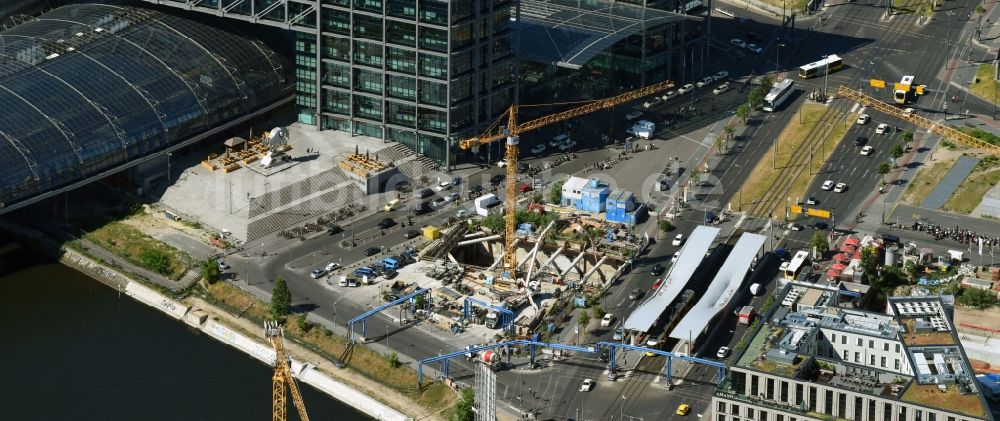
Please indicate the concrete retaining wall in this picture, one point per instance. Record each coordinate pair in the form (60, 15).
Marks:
(156, 300)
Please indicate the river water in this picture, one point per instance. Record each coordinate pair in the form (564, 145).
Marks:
(76, 350)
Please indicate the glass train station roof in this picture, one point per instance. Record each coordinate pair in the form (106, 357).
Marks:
(569, 33)
(86, 88)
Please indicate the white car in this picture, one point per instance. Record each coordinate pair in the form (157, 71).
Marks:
(586, 385)
(444, 185)
(827, 185)
(882, 129)
(705, 82)
(841, 187)
(332, 267)
(633, 115)
(738, 42)
(863, 119)
(721, 88)
(755, 48)
(678, 240)
(685, 89)
(652, 103)
(539, 148)
(668, 95)
(867, 150)
(723, 352)
(721, 75)
(607, 320)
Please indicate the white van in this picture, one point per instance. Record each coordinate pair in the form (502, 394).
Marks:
(559, 140)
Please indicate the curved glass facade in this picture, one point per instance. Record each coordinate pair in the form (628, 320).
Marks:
(84, 88)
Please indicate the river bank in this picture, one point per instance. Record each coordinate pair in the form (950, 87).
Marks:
(310, 368)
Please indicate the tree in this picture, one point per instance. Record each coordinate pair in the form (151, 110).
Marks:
(883, 169)
(896, 151)
(281, 299)
(156, 260)
(555, 194)
(820, 243)
(209, 270)
(978, 298)
(583, 319)
(743, 112)
(463, 410)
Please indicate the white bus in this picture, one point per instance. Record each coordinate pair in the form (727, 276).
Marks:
(779, 93)
(902, 90)
(829, 64)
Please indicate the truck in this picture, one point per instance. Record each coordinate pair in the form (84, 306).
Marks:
(486, 202)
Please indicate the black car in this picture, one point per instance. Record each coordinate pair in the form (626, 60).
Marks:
(422, 208)
(386, 223)
(371, 251)
(497, 179)
(425, 193)
(860, 141)
(657, 270)
(411, 233)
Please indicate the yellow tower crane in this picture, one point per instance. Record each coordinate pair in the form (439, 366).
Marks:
(282, 375)
(512, 133)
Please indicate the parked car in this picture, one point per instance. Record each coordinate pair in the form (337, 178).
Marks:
(705, 82)
(882, 129)
(652, 103)
(317, 273)
(385, 223)
(539, 148)
(678, 240)
(863, 119)
(738, 42)
(721, 89)
(657, 270)
(685, 89)
(840, 188)
(867, 150)
(633, 115)
(371, 251)
(827, 185)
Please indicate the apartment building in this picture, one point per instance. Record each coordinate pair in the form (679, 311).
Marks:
(811, 360)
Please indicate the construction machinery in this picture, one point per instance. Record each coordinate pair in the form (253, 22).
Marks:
(940, 129)
(282, 375)
(512, 132)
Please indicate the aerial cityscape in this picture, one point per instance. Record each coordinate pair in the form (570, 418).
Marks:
(501, 210)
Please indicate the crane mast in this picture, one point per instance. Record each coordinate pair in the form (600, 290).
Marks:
(282, 376)
(512, 134)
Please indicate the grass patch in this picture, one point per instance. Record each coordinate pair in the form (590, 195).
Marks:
(433, 395)
(926, 179)
(140, 249)
(950, 400)
(790, 140)
(968, 194)
(984, 86)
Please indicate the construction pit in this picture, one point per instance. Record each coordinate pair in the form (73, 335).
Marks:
(562, 271)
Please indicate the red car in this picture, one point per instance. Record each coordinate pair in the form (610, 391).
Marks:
(656, 285)
(524, 188)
